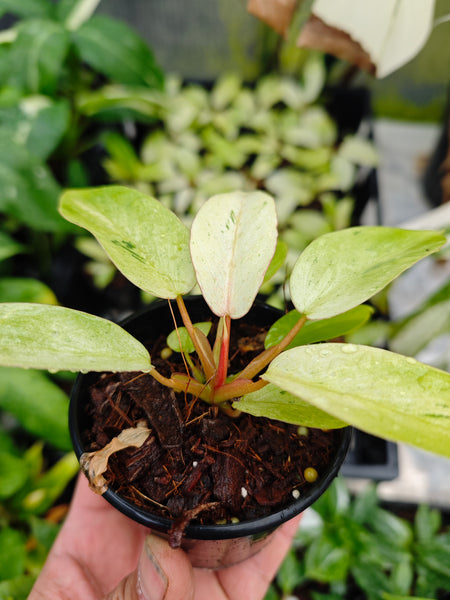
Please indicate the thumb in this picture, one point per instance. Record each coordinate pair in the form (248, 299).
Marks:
(162, 574)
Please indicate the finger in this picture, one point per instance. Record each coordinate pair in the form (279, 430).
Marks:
(162, 574)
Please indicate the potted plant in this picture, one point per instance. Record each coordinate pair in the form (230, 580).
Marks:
(296, 378)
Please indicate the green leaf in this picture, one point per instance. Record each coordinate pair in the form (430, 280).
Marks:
(28, 190)
(386, 394)
(37, 123)
(317, 331)
(434, 554)
(117, 51)
(145, 240)
(12, 553)
(181, 335)
(13, 475)
(398, 532)
(26, 8)
(427, 523)
(344, 268)
(334, 503)
(113, 99)
(37, 56)
(37, 403)
(275, 403)
(277, 261)
(272, 594)
(8, 246)
(44, 531)
(17, 588)
(46, 124)
(233, 240)
(56, 338)
(371, 579)
(22, 289)
(325, 562)
(291, 573)
(50, 486)
(402, 575)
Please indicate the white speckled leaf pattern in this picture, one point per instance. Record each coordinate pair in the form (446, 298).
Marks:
(145, 240)
(342, 269)
(383, 393)
(55, 338)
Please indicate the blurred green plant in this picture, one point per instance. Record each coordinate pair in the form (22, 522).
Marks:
(275, 136)
(353, 548)
(52, 53)
(36, 464)
(33, 476)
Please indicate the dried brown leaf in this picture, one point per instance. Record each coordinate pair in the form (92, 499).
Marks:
(316, 34)
(276, 13)
(94, 464)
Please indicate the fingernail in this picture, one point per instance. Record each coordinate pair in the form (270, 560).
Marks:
(152, 581)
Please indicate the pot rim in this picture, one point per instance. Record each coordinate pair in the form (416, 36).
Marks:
(209, 531)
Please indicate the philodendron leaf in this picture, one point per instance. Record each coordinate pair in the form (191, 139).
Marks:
(274, 403)
(317, 331)
(383, 393)
(342, 269)
(181, 336)
(233, 240)
(38, 336)
(145, 240)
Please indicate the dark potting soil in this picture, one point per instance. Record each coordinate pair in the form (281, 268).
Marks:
(199, 463)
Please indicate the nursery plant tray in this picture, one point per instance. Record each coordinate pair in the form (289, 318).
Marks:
(370, 457)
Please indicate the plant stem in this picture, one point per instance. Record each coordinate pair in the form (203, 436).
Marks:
(202, 347)
(183, 383)
(236, 389)
(263, 359)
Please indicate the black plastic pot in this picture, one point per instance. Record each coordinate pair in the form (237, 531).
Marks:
(214, 545)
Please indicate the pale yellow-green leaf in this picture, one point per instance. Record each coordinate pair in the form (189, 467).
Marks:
(342, 269)
(233, 240)
(274, 403)
(145, 240)
(55, 338)
(383, 393)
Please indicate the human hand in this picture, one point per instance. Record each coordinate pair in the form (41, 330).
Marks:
(99, 550)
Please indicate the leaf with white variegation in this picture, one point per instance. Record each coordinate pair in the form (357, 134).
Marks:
(342, 269)
(145, 240)
(233, 240)
(380, 392)
(55, 338)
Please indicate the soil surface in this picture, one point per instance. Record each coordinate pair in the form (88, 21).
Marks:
(198, 464)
